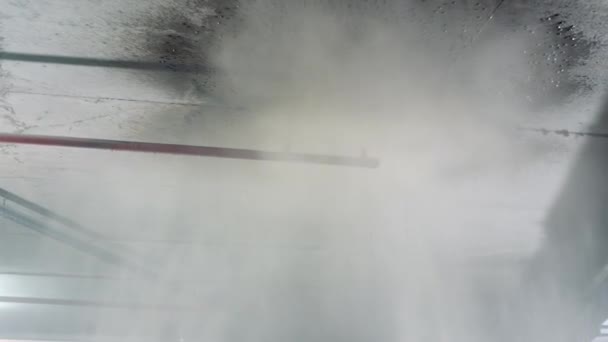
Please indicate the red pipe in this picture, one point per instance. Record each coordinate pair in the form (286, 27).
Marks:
(191, 150)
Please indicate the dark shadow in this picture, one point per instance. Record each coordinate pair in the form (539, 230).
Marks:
(564, 273)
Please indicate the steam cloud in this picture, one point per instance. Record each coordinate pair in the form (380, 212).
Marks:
(281, 252)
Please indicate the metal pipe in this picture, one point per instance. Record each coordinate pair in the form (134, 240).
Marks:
(99, 62)
(191, 150)
(49, 214)
(74, 242)
(95, 304)
(57, 275)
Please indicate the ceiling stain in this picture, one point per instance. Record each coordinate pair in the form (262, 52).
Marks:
(182, 34)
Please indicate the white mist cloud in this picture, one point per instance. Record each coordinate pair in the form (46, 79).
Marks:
(287, 252)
